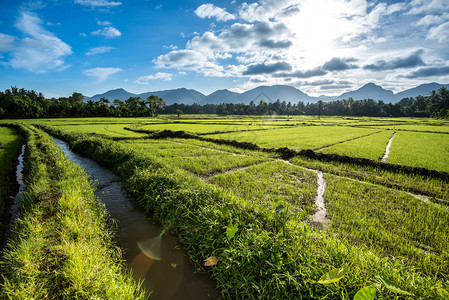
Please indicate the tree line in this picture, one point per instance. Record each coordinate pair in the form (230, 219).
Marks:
(20, 103)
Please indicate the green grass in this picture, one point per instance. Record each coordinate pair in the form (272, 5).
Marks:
(426, 150)
(371, 147)
(202, 159)
(390, 222)
(269, 255)
(414, 183)
(113, 130)
(10, 142)
(203, 128)
(297, 138)
(61, 247)
(272, 184)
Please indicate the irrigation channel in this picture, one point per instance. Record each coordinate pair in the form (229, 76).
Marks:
(14, 210)
(387, 149)
(150, 254)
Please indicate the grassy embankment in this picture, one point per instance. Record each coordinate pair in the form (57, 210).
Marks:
(10, 142)
(260, 251)
(62, 246)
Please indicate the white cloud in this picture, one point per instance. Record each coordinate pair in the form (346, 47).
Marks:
(99, 50)
(101, 74)
(104, 23)
(160, 75)
(211, 11)
(41, 50)
(6, 42)
(439, 32)
(426, 6)
(305, 35)
(108, 32)
(98, 3)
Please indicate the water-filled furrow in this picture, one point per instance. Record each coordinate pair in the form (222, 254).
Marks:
(319, 219)
(387, 149)
(14, 210)
(150, 254)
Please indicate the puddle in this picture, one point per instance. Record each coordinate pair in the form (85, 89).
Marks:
(14, 210)
(319, 219)
(150, 254)
(387, 150)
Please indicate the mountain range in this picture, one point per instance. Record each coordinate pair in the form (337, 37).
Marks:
(269, 94)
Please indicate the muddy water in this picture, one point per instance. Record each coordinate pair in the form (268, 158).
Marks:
(151, 255)
(14, 210)
(387, 149)
(319, 219)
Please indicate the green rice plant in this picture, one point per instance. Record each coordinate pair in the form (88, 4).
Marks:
(390, 222)
(112, 130)
(62, 247)
(204, 128)
(297, 138)
(427, 150)
(273, 184)
(414, 183)
(260, 261)
(371, 147)
(201, 159)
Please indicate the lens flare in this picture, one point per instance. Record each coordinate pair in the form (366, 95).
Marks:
(152, 247)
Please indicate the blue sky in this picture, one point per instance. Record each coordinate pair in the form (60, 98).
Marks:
(322, 47)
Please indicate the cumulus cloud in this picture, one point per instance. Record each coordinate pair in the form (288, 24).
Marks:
(101, 74)
(284, 40)
(338, 64)
(414, 60)
(303, 74)
(439, 32)
(257, 69)
(429, 20)
(98, 3)
(99, 50)
(189, 60)
(211, 11)
(40, 50)
(429, 72)
(275, 44)
(160, 75)
(108, 32)
(426, 6)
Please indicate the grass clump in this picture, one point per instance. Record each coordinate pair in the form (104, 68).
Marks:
(62, 247)
(10, 142)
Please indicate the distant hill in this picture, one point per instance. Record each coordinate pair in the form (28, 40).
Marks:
(120, 94)
(220, 96)
(181, 95)
(423, 90)
(369, 91)
(270, 94)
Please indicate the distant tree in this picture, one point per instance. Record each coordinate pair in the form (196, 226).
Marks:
(178, 112)
(155, 104)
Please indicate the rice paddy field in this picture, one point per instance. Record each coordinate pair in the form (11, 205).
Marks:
(359, 209)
